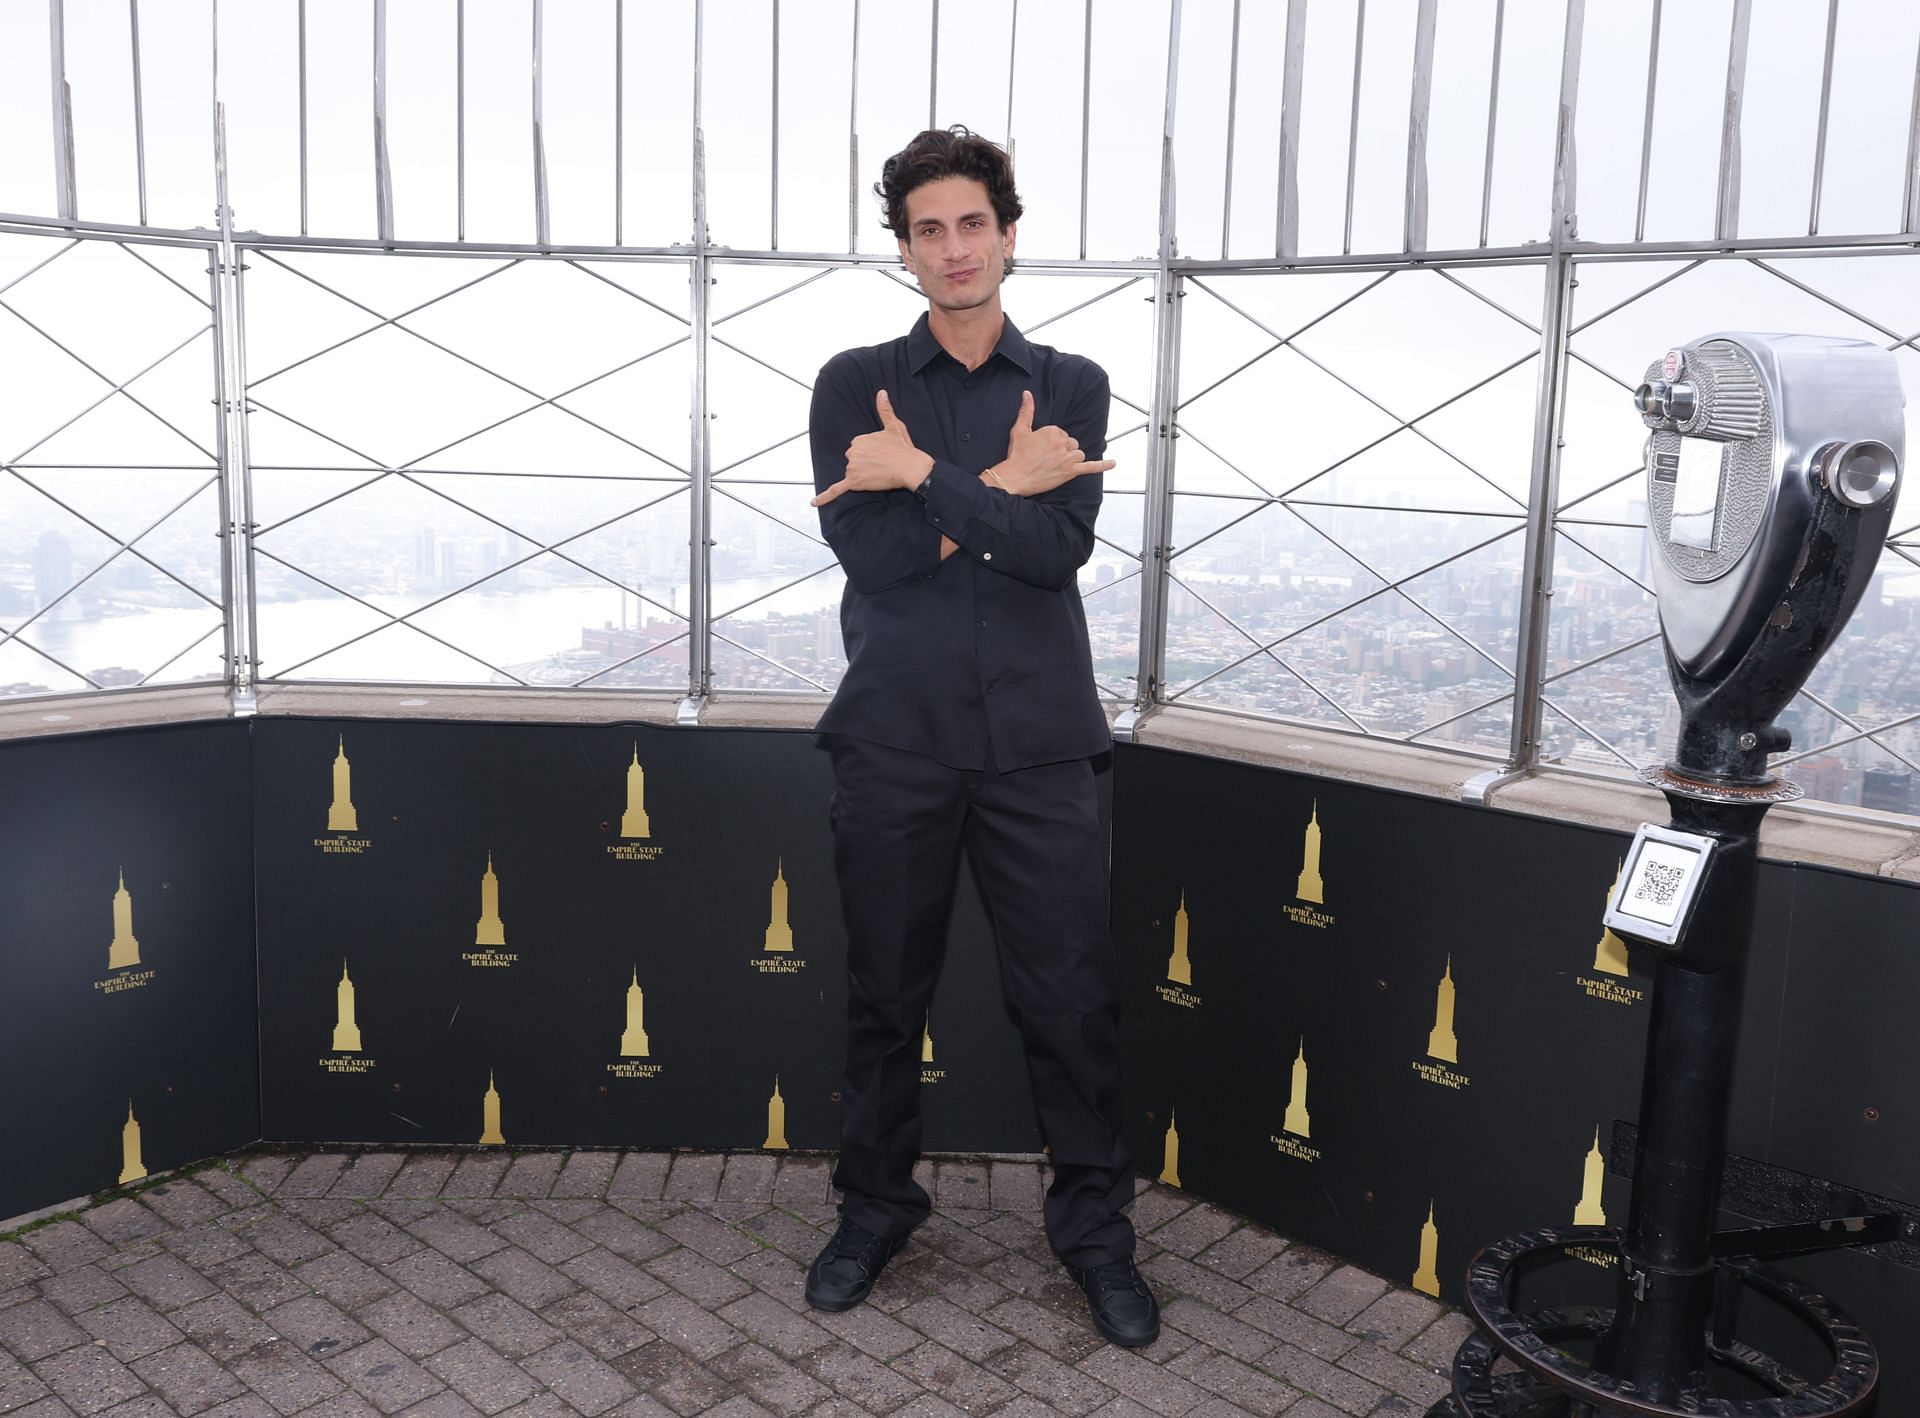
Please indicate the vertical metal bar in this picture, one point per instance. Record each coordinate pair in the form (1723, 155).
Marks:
(1910, 198)
(1086, 112)
(241, 646)
(1820, 139)
(1646, 125)
(773, 195)
(459, 117)
(1353, 122)
(1417, 111)
(63, 183)
(1726, 223)
(1013, 49)
(1286, 221)
(139, 110)
(1233, 103)
(620, 119)
(1543, 487)
(1155, 534)
(933, 69)
(249, 584)
(542, 234)
(853, 138)
(700, 534)
(382, 171)
(1493, 116)
(303, 117)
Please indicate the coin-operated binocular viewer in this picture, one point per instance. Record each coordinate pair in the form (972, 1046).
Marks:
(1772, 470)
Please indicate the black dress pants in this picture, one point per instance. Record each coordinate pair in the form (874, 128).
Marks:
(1033, 836)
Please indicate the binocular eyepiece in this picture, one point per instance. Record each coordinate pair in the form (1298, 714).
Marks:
(1667, 400)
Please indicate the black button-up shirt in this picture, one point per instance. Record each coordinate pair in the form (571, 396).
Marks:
(985, 652)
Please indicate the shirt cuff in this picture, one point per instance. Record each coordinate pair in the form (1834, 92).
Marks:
(950, 497)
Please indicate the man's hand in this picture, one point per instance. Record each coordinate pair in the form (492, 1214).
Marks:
(879, 461)
(1040, 459)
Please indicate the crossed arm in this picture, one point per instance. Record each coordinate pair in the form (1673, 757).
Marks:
(884, 535)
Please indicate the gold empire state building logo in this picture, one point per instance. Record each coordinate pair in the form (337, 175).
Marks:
(776, 1120)
(1441, 1043)
(1590, 1212)
(125, 949)
(633, 1039)
(490, 1133)
(346, 1029)
(1170, 1167)
(490, 930)
(341, 816)
(1426, 1276)
(1298, 1122)
(779, 932)
(1610, 954)
(132, 1169)
(1310, 888)
(1179, 967)
(634, 822)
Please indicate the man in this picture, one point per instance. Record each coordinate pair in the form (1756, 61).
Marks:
(958, 476)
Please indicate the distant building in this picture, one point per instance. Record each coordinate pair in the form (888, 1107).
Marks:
(1887, 789)
(52, 569)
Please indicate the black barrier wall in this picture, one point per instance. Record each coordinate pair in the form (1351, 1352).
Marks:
(1393, 1027)
(126, 956)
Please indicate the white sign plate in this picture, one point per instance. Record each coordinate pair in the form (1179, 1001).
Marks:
(1657, 888)
(1696, 494)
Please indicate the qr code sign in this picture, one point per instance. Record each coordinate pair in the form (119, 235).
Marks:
(1658, 883)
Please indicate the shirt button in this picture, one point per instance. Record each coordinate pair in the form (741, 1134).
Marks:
(986, 556)
(966, 438)
(983, 625)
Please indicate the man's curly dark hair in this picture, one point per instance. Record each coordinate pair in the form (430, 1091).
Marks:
(947, 152)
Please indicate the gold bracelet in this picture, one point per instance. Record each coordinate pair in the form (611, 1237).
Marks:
(994, 478)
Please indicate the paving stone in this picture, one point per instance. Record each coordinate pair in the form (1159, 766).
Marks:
(48, 1407)
(859, 1377)
(687, 1326)
(802, 1181)
(374, 1239)
(779, 1328)
(188, 1378)
(715, 1240)
(773, 1274)
(225, 1186)
(315, 1325)
(247, 1405)
(771, 1381)
(348, 1282)
(958, 1185)
(1395, 1318)
(1156, 1206)
(265, 1171)
(1169, 1272)
(1143, 1381)
(1017, 1231)
(223, 1327)
(385, 1377)
(958, 1242)
(313, 1175)
(181, 1203)
(1240, 1384)
(532, 1174)
(544, 1405)
(1195, 1229)
(122, 1222)
(929, 1406)
(1122, 1407)
(483, 1377)
(82, 1289)
(444, 1404)
(542, 1237)
(89, 1379)
(1423, 1384)
(1342, 1294)
(672, 1376)
(624, 1236)
(787, 1234)
(146, 1406)
(344, 1404)
(455, 1237)
(1060, 1386)
(318, 1211)
(1015, 1186)
(422, 1175)
(405, 1210)
(934, 1274)
(435, 1279)
(958, 1380)
(533, 1283)
(410, 1325)
(1303, 1331)
(618, 1281)
(255, 1281)
(1021, 1275)
(695, 1177)
(369, 1174)
(165, 1281)
(65, 1245)
(871, 1331)
(591, 1385)
(507, 1325)
(640, 1174)
(36, 1329)
(286, 1378)
(1217, 1331)
(698, 1278)
(586, 1174)
(1347, 1391)
(1436, 1345)
(591, 1321)
(205, 1246)
(1220, 1408)
(129, 1329)
(1293, 1272)
(1240, 1253)
(478, 1175)
(19, 1385)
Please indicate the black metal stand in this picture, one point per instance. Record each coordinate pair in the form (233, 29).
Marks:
(1671, 1326)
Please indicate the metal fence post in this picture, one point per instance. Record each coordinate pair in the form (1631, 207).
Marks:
(236, 489)
(700, 514)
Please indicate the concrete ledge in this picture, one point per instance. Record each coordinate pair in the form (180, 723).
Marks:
(1881, 844)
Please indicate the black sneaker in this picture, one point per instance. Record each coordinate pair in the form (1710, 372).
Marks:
(843, 1273)
(1123, 1308)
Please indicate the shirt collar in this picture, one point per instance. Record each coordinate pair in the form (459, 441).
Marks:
(922, 347)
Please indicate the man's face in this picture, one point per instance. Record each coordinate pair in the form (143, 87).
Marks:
(954, 243)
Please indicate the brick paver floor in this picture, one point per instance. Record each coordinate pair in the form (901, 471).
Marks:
(345, 1284)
